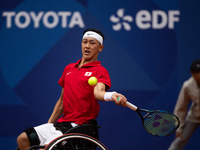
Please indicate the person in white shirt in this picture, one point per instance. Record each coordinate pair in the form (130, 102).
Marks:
(189, 119)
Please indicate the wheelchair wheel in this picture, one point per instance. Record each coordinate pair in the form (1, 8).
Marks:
(75, 141)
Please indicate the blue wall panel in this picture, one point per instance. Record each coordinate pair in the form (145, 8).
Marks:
(149, 45)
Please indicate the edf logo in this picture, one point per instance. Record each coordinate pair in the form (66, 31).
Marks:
(157, 19)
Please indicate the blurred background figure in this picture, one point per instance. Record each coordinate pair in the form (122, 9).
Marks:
(189, 119)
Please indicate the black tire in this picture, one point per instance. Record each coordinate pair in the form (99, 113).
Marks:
(75, 141)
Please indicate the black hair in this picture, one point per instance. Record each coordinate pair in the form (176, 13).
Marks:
(95, 30)
(195, 66)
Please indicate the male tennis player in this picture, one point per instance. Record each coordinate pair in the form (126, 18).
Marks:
(78, 101)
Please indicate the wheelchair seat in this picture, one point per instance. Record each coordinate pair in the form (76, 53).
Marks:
(88, 129)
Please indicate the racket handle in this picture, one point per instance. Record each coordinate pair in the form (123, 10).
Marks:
(131, 106)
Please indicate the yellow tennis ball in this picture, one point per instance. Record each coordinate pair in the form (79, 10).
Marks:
(92, 81)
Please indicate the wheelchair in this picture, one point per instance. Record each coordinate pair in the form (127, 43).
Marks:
(81, 137)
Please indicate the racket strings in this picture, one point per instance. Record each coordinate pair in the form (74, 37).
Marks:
(160, 123)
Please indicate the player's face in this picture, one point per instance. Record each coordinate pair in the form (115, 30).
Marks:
(90, 49)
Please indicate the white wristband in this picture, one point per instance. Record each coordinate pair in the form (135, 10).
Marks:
(108, 96)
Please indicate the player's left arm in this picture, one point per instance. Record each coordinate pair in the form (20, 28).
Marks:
(100, 91)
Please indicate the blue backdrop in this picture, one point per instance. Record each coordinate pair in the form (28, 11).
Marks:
(149, 45)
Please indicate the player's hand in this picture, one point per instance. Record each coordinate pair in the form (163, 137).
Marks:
(119, 99)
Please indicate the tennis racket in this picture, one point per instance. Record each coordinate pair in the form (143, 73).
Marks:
(157, 122)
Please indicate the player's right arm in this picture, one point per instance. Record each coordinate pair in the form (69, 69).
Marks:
(58, 109)
(99, 93)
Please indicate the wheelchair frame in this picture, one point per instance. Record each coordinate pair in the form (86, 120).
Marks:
(74, 140)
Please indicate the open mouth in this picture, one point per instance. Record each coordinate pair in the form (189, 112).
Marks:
(87, 52)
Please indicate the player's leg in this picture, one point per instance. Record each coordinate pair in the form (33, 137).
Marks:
(39, 135)
(23, 141)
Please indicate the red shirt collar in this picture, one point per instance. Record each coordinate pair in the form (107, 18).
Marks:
(94, 63)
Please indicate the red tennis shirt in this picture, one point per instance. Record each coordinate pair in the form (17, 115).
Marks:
(79, 102)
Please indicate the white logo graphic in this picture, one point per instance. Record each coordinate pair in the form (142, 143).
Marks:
(68, 73)
(121, 20)
(88, 73)
(144, 19)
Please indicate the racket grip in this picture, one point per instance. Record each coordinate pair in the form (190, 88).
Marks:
(131, 106)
